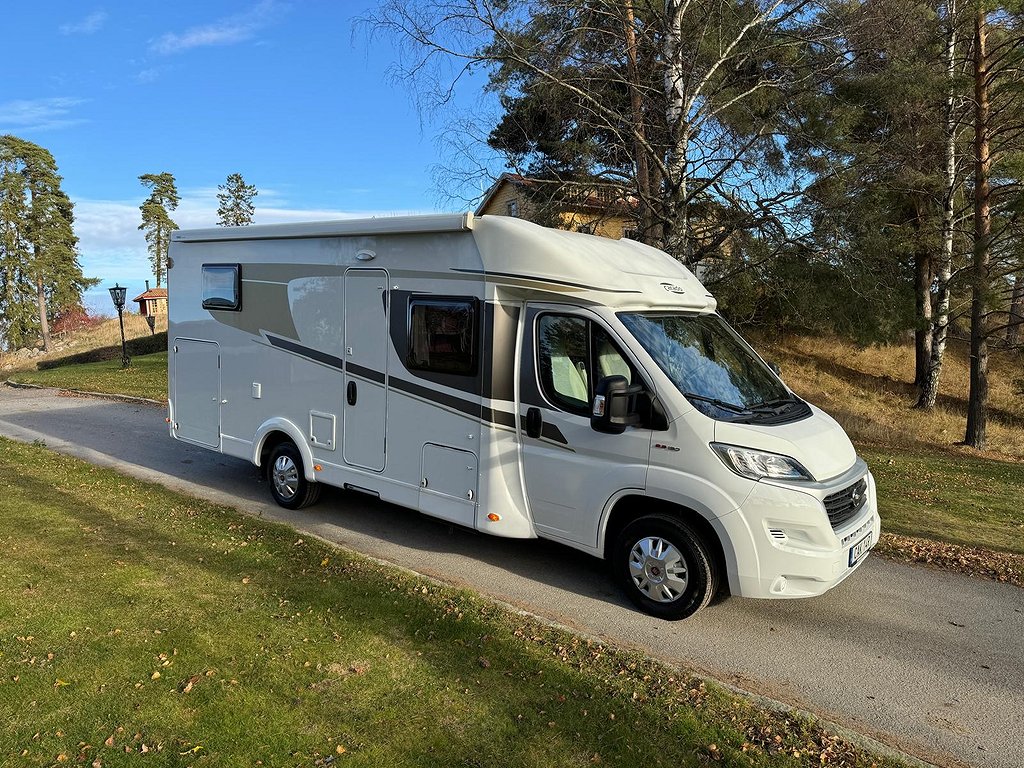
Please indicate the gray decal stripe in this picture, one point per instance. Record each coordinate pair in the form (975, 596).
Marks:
(468, 407)
(366, 373)
(451, 401)
(312, 354)
(543, 280)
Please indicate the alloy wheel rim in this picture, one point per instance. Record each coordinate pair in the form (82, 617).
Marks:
(658, 569)
(286, 477)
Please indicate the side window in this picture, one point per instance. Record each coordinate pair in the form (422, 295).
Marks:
(573, 354)
(222, 287)
(562, 357)
(442, 336)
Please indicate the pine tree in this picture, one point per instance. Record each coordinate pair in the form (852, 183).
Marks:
(235, 207)
(156, 219)
(40, 276)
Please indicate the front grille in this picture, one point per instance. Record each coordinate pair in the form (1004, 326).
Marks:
(842, 505)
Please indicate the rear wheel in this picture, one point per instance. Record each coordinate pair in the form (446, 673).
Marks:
(288, 482)
(664, 567)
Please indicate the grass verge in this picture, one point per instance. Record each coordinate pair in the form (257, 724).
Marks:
(146, 377)
(140, 621)
(949, 497)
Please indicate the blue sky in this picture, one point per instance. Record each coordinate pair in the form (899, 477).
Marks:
(293, 95)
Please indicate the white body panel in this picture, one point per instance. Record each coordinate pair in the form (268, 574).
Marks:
(323, 350)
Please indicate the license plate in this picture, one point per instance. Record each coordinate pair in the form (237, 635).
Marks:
(858, 550)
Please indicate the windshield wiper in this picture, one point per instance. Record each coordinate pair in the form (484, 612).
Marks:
(720, 403)
(768, 405)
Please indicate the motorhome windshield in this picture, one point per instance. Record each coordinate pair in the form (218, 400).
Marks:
(713, 367)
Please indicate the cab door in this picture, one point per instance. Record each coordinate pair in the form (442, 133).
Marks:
(570, 469)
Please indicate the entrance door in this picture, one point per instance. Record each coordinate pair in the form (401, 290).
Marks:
(572, 470)
(366, 363)
(197, 391)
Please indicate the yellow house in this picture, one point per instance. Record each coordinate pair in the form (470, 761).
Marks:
(602, 211)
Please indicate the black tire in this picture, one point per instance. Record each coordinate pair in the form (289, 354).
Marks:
(288, 483)
(664, 567)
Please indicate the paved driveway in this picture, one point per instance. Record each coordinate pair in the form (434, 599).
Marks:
(929, 662)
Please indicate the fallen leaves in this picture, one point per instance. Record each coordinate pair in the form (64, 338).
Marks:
(1004, 567)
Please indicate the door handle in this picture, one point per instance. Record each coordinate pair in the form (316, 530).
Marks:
(534, 422)
(350, 395)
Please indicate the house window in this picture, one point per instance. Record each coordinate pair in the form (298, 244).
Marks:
(513, 208)
(442, 335)
(222, 287)
(631, 234)
(587, 227)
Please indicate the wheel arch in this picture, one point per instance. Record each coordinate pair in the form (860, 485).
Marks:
(633, 506)
(273, 432)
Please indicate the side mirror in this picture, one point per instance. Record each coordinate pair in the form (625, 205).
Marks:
(614, 406)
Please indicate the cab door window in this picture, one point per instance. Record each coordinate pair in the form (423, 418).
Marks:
(573, 354)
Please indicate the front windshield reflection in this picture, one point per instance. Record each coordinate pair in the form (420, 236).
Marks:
(707, 362)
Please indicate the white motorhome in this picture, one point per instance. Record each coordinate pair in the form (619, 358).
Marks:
(521, 381)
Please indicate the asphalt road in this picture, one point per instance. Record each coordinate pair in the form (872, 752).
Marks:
(928, 662)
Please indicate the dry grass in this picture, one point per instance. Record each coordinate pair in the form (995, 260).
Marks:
(104, 334)
(870, 391)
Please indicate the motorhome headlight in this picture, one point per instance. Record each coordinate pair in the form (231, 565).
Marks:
(756, 465)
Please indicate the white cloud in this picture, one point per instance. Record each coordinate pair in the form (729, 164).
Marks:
(226, 31)
(87, 26)
(38, 114)
(113, 248)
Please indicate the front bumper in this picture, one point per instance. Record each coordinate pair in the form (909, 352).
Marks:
(794, 549)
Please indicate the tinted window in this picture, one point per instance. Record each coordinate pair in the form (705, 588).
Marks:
(222, 286)
(442, 336)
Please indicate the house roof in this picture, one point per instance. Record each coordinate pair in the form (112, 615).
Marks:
(582, 200)
(152, 293)
(505, 178)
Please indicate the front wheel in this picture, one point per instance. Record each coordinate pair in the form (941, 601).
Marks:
(664, 567)
(288, 482)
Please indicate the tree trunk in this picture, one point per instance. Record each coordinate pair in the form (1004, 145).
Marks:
(923, 300)
(977, 404)
(158, 259)
(643, 175)
(676, 236)
(1013, 330)
(44, 325)
(929, 390)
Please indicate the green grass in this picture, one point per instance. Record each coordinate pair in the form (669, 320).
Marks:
(135, 620)
(950, 497)
(146, 377)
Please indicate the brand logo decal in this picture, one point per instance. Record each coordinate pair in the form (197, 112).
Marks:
(672, 288)
(666, 447)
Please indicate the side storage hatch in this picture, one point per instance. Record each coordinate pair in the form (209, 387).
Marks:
(448, 484)
(196, 389)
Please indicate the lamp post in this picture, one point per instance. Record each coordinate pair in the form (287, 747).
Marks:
(151, 322)
(117, 295)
